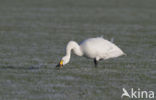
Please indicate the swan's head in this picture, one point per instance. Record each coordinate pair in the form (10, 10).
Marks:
(63, 61)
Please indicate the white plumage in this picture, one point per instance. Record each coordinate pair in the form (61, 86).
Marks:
(94, 48)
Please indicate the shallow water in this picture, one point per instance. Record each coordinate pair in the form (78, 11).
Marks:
(33, 36)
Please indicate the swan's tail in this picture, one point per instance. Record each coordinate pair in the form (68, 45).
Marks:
(124, 54)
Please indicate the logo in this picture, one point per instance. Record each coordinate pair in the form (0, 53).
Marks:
(137, 93)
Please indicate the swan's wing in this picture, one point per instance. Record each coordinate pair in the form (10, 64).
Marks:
(112, 40)
(99, 47)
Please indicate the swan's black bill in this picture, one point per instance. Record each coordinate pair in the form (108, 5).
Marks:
(60, 64)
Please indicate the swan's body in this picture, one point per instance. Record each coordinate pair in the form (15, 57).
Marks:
(94, 48)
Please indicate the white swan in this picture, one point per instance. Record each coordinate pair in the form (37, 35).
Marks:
(94, 48)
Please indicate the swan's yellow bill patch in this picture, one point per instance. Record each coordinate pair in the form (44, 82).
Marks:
(61, 63)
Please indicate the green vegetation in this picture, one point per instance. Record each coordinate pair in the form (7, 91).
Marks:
(33, 36)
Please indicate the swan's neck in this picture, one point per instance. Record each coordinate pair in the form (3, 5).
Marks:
(72, 45)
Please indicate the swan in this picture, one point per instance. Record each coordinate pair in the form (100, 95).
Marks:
(95, 48)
